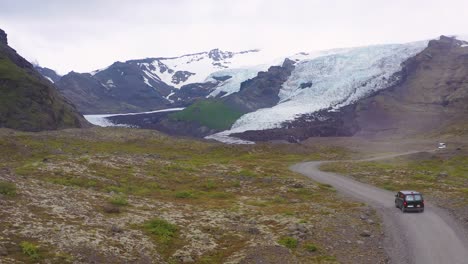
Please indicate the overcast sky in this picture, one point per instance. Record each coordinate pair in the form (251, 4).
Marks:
(86, 35)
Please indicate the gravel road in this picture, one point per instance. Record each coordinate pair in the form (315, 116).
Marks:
(413, 238)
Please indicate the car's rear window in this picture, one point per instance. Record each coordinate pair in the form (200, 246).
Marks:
(413, 197)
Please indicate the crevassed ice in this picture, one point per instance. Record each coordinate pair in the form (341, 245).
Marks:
(240, 75)
(337, 80)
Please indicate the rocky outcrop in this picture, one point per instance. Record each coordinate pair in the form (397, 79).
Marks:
(181, 76)
(27, 100)
(218, 55)
(3, 37)
(187, 94)
(261, 91)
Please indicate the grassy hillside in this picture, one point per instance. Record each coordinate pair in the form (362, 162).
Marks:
(29, 102)
(210, 113)
(108, 195)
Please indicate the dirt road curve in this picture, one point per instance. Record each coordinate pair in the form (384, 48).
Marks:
(413, 238)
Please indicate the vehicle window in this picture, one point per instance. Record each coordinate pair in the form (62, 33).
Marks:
(413, 197)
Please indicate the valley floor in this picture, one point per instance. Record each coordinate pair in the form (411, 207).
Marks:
(118, 195)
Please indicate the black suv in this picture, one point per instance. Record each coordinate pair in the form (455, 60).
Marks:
(409, 201)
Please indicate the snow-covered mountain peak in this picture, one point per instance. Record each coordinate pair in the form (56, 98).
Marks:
(194, 68)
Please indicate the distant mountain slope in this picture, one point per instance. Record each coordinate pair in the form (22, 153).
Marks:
(27, 100)
(212, 115)
(154, 83)
(49, 74)
(121, 88)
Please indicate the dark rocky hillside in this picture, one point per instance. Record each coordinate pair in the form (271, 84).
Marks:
(27, 100)
(119, 89)
(434, 93)
(261, 91)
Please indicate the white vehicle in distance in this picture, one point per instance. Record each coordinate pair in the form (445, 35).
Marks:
(442, 145)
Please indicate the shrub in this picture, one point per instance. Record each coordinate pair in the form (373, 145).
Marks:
(183, 194)
(29, 249)
(119, 200)
(210, 185)
(162, 229)
(310, 247)
(7, 188)
(288, 242)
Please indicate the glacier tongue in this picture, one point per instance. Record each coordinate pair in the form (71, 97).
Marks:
(336, 80)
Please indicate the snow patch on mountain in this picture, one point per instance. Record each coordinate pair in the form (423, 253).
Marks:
(462, 37)
(147, 82)
(196, 68)
(110, 84)
(336, 80)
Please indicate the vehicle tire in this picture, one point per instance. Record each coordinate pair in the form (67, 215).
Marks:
(396, 204)
(421, 211)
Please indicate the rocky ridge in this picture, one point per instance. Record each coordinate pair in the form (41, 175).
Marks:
(27, 100)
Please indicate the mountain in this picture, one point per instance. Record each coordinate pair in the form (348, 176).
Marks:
(48, 73)
(212, 115)
(153, 83)
(303, 84)
(392, 90)
(429, 93)
(27, 100)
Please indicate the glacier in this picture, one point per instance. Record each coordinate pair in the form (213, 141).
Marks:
(338, 78)
(240, 75)
(102, 121)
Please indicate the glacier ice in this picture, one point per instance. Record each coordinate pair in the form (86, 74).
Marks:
(101, 120)
(338, 78)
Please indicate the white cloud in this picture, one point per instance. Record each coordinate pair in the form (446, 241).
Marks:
(86, 35)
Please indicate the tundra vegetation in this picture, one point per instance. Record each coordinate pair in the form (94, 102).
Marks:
(118, 195)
